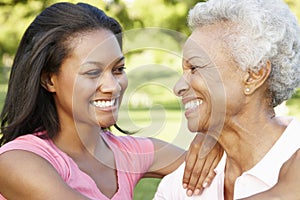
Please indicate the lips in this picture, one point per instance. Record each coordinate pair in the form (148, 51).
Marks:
(191, 106)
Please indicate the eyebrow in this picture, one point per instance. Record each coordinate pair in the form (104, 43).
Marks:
(189, 59)
(115, 62)
(202, 64)
(119, 60)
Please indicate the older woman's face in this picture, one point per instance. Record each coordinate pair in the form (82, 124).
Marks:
(211, 84)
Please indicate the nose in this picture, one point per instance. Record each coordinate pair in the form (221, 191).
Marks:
(108, 83)
(181, 86)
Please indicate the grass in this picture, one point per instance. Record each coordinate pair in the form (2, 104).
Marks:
(145, 189)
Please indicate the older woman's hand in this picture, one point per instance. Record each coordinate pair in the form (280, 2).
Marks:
(202, 158)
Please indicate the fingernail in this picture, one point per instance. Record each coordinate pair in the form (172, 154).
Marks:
(189, 193)
(205, 184)
(197, 192)
(184, 185)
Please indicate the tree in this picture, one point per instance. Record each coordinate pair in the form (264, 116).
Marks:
(168, 14)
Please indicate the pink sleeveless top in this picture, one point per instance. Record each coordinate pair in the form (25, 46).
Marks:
(133, 157)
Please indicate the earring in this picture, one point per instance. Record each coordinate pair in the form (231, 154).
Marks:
(247, 90)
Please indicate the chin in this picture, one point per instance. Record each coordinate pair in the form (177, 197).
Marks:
(192, 128)
(107, 124)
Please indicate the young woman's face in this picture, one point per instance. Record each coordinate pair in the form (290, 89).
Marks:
(91, 82)
(210, 86)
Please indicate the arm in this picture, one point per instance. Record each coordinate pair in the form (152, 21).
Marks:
(167, 157)
(288, 184)
(199, 167)
(25, 175)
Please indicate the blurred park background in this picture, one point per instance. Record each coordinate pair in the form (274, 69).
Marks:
(154, 32)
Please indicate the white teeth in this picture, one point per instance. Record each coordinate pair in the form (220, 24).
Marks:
(193, 104)
(103, 104)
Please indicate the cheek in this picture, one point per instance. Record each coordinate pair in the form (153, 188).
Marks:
(235, 99)
(200, 87)
(64, 87)
(83, 92)
(123, 81)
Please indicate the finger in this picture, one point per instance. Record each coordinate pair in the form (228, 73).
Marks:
(208, 180)
(208, 174)
(191, 161)
(204, 179)
(196, 174)
(206, 183)
(199, 174)
(191, 158)
(208, 171)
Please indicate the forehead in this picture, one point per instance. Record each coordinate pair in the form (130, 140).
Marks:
(193, 49)
(207, 43)
(97, 45)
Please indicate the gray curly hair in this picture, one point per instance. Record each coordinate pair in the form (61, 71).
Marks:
(263, 30)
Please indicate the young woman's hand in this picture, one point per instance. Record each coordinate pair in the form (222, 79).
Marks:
(202, 158)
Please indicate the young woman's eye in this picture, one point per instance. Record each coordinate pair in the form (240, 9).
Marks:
(93, 73)
(119, 70)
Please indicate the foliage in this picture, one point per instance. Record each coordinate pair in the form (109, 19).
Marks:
(17, 14)
(169, 14)
(3, 88)
(295, 7)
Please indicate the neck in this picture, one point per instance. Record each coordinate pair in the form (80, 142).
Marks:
(78, 139)
(247, 139)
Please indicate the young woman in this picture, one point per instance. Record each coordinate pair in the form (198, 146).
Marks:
(65, 89)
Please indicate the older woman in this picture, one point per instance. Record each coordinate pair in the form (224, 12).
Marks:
(241, 60)
(65, 88)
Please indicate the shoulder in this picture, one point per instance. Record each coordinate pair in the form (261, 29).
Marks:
(289, 176)
(31, 143)
(27, 142)
(36, 146)
(130, 143)
(19, 163)
(26, 175)
(290, 168)
(134, 154)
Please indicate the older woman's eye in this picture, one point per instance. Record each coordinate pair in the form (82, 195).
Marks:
(194, 68)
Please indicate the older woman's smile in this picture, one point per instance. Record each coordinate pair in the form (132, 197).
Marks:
(193, 104)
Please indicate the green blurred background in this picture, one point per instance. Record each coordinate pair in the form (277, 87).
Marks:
(153, 63)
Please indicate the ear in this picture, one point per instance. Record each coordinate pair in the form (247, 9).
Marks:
(253, 80)
(47, 83)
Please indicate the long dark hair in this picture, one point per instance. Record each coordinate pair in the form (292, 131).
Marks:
(29, 107)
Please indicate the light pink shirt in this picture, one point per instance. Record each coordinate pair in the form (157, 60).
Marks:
(261, 177)
(133, 157)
